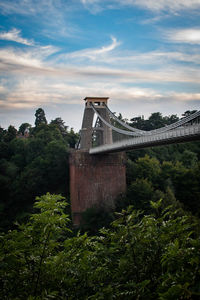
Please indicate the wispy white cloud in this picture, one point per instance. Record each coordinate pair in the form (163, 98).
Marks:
(14, 35)
(33, 7)
(163, 5)
(155, 6)
(12, 58)
(152, 58)
(53, 16)
(36, 61)
(94, 6)
(185, 96)
(25, 60)
(29, 7)
(34, 92)
(2, 89)
(188, 35)
(92, 54)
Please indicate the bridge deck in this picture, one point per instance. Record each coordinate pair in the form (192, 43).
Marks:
(179, 135)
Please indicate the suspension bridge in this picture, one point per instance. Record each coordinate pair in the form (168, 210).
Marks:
(111, 134)
(98, 165)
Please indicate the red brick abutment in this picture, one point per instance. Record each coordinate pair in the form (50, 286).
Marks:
(95, 180)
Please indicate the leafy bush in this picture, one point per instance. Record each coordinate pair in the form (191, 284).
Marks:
(155, 256)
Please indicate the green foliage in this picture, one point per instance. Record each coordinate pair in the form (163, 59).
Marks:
(25, 253)
(140, 191)
(148, 254)
(149, 179)
(40, 117)
(32, 166)
(10, 134)
(156, 120)
(144, 167)
(70, 136)
(95, 218)
(155, 256)
(189, 158)
(23, 127)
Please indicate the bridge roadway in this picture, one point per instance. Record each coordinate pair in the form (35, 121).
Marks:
(178, 135)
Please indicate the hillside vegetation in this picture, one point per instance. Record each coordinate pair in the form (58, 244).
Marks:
(147, 248)
(33, 161)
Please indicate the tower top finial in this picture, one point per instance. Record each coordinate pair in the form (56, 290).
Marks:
(96, 100)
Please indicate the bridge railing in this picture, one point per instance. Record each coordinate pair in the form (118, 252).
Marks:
(122, 135)
(181, 134)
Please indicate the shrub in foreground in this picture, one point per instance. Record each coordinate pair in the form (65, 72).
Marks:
(154, 256)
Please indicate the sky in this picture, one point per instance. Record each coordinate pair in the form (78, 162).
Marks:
(142, 54)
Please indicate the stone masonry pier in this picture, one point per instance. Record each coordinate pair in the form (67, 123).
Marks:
(95, 180)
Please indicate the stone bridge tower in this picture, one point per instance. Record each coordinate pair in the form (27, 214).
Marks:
(103, 132)
(95, 180)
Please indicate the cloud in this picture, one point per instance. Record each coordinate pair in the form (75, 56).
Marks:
(33, 7)
(92, 54)
(185, 96)
(155, 6)
(128, 59)
(53, 16)
(64, 94)
(34, 92)
(29, 7)
(38, 78)
(14, 35)
(188, 35)
(94, 6)
(26, 60)
(2, 89)
(37, 62)
(163, 5)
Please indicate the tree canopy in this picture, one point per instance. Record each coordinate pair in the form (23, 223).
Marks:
(40, 117)
(32, 165)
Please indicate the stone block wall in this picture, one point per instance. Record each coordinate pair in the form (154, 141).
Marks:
(95, 180)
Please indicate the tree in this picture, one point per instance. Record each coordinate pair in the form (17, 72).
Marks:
(2, 133)
(170, 119)
(10, 134)
(155, 121)
(23, 127)
(189, 158)
(138, 122)
(61, 125)
(140, 193)
(72, 138)
(40, 117)
(26, 252)
(188, 113)
(148, 167)
(152, 256)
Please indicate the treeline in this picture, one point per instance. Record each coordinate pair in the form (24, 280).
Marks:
(33, 161)
(157, 120)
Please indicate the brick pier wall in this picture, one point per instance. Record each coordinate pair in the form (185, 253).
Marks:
(95, 180)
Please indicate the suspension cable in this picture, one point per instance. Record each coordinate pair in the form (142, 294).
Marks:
(111, 126)
(158, 130)
(176, 124)
(123, 123)
(138, 132)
